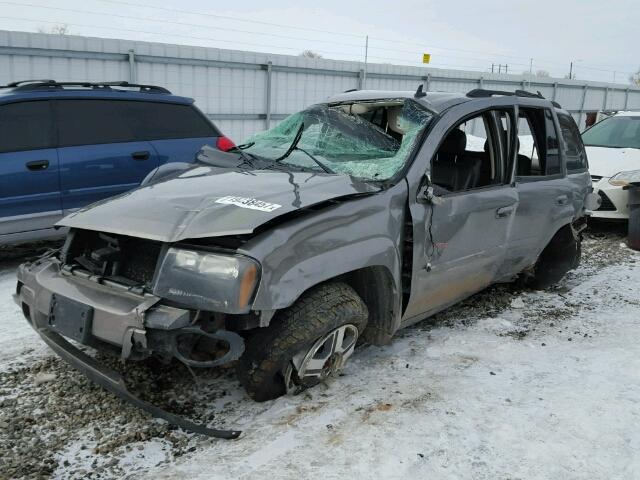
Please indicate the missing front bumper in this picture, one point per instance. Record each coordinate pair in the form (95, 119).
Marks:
(114, 382)
(50, 301)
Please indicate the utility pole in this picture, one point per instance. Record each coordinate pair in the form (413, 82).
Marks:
(366, 56)
(570, 70)
(492, 65)
(506, 68)
(531, 66)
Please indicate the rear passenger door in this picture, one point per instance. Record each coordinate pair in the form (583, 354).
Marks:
(545, 195)
(29, 182)
(102, 149)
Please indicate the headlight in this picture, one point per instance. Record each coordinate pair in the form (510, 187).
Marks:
(207, 281)
(625, 178)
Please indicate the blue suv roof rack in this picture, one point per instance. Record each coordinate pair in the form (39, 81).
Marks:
(30, 85)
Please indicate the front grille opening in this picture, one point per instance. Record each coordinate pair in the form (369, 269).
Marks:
(127, 260)
(607, 205)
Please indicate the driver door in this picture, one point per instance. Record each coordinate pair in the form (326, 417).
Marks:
(467, 216)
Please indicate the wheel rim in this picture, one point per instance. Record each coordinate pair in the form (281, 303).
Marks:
(325, 357)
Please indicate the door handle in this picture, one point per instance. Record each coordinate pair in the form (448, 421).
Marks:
(36, 165)
(140, 155)
(504, 212)
(562, 200)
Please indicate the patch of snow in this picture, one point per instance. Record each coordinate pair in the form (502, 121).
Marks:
(17, 338)
(517, 303)
(41, 378)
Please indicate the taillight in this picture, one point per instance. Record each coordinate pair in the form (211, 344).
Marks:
(225, 144)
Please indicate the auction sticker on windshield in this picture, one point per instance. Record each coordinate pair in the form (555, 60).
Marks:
(252, 203)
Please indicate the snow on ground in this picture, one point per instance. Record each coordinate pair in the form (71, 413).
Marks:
(16, 336)
(510, 384)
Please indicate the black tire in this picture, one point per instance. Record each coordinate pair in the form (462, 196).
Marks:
(561, 255)
(316, 313)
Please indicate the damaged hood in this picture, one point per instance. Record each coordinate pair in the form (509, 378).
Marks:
(209, 202)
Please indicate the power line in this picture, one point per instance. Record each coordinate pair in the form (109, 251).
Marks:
(173, 22)
(187, 24)
(213, 15)
(488, 55)
(199, 25)
(276, 35)
(137, 30)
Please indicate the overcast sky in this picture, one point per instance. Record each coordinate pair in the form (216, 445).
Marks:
(600, 36)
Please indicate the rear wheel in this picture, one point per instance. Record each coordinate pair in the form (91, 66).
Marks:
(561, 255)
(305, 343)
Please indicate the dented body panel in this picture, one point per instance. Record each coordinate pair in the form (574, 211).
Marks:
(206, 201)
(319, 246)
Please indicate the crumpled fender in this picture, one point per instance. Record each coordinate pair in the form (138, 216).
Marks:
(308, 250)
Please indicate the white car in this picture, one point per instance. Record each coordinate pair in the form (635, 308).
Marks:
(613, 150)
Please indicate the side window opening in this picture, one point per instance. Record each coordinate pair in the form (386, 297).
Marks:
(573, 147)
(470, 155)
(538, 145)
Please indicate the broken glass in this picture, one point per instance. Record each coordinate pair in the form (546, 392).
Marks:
(336, 139)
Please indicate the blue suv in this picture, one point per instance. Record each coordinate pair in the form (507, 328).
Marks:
(64, 145)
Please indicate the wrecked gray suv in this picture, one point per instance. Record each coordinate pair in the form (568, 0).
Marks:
(346, 222)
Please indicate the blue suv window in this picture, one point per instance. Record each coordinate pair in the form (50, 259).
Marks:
(90, 122)
(168, 120)
(26, 126)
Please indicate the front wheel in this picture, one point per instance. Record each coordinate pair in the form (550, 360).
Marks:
(306, 343)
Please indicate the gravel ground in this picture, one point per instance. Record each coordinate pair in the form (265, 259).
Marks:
(54, 422)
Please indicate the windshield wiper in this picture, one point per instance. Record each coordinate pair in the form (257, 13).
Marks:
(247, 159)
(320, 164)
(293, 145)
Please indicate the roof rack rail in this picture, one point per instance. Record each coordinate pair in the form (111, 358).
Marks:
(26, 85)
(15, 84)
(483, 93)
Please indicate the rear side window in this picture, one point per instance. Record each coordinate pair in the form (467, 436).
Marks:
(539, 147)
(26, 126)
(573, 148)
(166, 120)
(91, 122)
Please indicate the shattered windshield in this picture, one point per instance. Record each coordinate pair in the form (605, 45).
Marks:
(368, 140)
